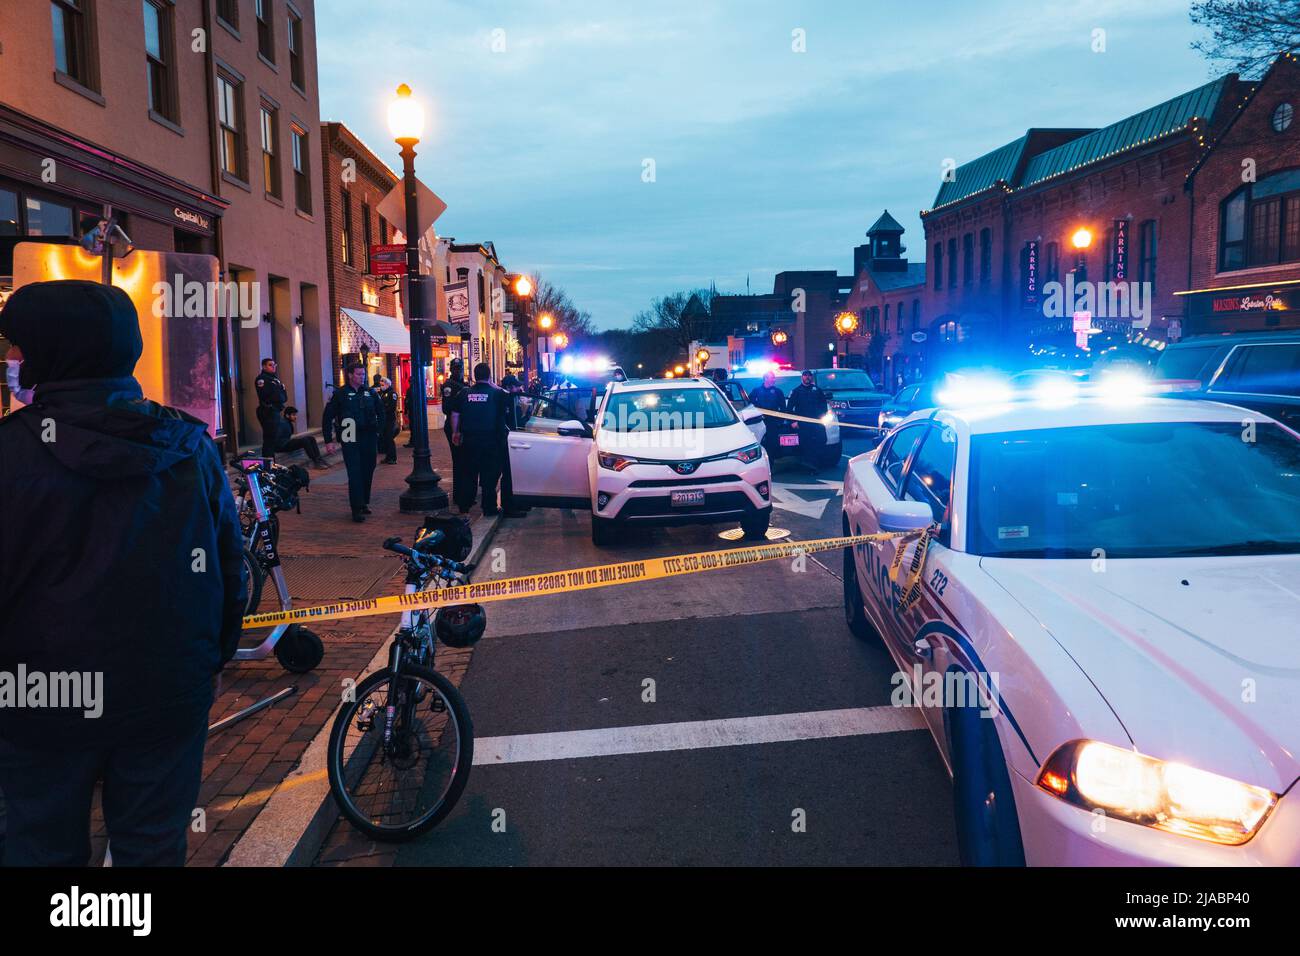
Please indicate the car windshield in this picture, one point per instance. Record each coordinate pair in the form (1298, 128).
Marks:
(667, 409)
(844, 378)
(1163, 489)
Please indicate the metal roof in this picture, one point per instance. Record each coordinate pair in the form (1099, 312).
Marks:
(980, 174)
(1169, 117)
(886, 223)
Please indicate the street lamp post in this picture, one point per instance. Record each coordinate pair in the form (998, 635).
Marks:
(406, 122)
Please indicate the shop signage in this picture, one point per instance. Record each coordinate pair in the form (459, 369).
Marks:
(370, 297)
(1029, 271)
(193, 218)
(1119, 249)
(388, 260)
(918, 337)
(1250, 303)
(457, 294)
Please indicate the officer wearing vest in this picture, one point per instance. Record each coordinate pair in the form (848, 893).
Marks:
(451, 391)
(271, 399)
(478, 423)
(356, 415)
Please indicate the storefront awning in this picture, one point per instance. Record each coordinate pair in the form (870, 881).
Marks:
(379, 333)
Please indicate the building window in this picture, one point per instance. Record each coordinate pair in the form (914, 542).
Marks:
(230, 97)
(952, 263)
(886, 318)
(301, 170)
(1052, 263)
(345, 237)
(916, 315)
(986, 254)
(366, 235)
(45, 218)
(1261, 230)
(968, 259)
(265, 30)
(72, 40)
(1147, 252)
(9, 225)
(158, 46)
(296, 71)
(938, 266)
(270, 157)
(228, 10)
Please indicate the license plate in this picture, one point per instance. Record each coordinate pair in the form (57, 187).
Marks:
(788, 441)
(684, 499)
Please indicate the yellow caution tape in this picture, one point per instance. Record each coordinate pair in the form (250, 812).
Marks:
(815, 421)
(583, 579)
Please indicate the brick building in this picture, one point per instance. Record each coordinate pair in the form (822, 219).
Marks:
(365, 310)
(1243, 253)
(887, 298)
(110, 107)
(803, 304)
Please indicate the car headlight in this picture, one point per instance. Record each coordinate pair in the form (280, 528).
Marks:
(1156, 793)
(748, 454)
(614, 462)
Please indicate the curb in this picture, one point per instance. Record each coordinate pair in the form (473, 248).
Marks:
(292, 825)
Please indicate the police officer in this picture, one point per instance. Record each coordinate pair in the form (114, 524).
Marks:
(808, 400)
(478, 424)
(768, 396)
(388, 434)
(356, 414)
(271, 399)
(451, 391)
(514, 390)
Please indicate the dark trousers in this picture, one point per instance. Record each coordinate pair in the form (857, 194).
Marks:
(303, 443)
(269, 419)
(458, 472)
(388, 440)
(150, 788)
(359, 459)
(481, 462)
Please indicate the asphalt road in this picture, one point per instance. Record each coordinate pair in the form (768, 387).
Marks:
(722, 718)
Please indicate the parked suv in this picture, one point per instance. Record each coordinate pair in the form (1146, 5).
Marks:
(660, 452)
(1256, 370)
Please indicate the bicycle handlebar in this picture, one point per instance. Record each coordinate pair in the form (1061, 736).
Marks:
(424, 557)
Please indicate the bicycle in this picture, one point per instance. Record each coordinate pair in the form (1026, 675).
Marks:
(402, 745)
(264, 489)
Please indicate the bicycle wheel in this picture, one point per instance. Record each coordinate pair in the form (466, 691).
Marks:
(256, 578)
(399, 789)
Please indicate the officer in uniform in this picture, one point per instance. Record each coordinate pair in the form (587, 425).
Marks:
(356, 414)
(388, 435)
(451, 391)
(808, 400)
(770, 398)
(514, 397)
(478, 422)
(271, 399)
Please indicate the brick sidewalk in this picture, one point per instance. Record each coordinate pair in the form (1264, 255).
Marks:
(326, 557)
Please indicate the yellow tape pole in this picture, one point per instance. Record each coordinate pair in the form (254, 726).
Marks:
(563, 582)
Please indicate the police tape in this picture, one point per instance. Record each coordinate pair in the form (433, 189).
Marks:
(599, 576)
(815, 421)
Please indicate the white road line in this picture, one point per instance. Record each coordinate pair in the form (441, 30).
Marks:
(697, 734)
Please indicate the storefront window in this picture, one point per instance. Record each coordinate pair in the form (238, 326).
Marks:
(45, 218)
(1260, 224)
(8, 213)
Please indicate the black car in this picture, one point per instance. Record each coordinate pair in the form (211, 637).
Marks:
(1256, 370)
(910, 398)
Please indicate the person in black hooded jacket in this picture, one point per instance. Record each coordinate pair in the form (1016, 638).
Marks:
(119, 562)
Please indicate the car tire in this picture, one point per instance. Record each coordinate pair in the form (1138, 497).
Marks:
(754, 527)
(855, 613)
(602, 531)
(830, 455)
(988, 827)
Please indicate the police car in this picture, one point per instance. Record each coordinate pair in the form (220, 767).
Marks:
(659, 452)
(1118, 576)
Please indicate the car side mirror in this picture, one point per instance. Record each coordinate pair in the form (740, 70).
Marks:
(574, 429)
(905, 516)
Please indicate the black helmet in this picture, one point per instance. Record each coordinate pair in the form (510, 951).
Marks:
(460, 625)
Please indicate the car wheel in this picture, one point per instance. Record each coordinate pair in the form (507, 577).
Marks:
(602, 531)
(855, 614)
(830, 455)
(755, 526)
(988, 828)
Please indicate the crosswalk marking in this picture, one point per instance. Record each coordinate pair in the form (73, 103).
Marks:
(696, 734)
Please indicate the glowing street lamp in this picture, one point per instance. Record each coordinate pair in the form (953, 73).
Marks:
(560, 340)
(546, 321)
(1082, 238)
(524, 286)
(846, 323)
(422, 495)
(779, 337)
(679, 369)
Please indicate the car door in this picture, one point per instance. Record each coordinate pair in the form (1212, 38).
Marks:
(549, 457)
(1263, 377)
(928, 479)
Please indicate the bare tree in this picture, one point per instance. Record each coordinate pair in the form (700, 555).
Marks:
(681, 318)
(574, 322)
(1247, 34)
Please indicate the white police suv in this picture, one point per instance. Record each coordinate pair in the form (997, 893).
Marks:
(1120, 577)
(658, 452)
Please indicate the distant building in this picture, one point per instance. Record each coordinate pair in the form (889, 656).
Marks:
(803, 305)
(886, 297)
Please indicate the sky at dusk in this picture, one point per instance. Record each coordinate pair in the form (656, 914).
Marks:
(765, 159)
